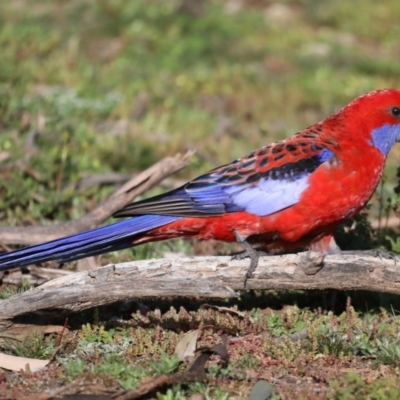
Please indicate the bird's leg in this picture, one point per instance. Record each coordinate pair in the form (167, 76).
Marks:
(249, 252)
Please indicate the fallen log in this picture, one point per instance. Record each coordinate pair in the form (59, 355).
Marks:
(207, 277)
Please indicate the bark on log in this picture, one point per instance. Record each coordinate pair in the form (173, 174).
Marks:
(203, 277)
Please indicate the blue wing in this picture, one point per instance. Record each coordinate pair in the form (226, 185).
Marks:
(262, 183)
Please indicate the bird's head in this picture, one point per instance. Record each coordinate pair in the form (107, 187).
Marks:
(374, 117)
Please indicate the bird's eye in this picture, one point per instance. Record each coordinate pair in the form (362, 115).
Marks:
(395, 111)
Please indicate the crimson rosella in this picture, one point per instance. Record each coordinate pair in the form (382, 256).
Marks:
(287, 196)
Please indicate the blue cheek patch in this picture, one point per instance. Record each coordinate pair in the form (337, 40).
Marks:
(385, 137)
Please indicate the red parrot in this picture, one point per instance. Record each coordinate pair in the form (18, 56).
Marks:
(286, 196)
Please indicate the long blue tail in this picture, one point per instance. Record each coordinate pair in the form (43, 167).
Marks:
(108, 238)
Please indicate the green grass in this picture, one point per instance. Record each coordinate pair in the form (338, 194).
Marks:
(78, 72)
(334, 350)
(112, 86)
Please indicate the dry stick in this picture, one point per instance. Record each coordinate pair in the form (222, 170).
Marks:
(89, 181)
(114, 178)
(29, 235)
(207, 277)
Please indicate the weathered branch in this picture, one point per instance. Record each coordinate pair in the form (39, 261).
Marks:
(139, 184)
(203, 277)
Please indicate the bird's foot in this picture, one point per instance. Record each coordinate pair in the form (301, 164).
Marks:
(253, 254)
(373, 252)
(244, 254)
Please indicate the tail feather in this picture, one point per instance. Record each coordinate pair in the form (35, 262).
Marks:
(108, 238)
(125, 245)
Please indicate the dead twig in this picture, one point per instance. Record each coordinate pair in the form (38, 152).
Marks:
(29, 235)
(114, 178)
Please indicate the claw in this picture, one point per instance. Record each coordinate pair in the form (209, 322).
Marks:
(384, 255)
(374, 253)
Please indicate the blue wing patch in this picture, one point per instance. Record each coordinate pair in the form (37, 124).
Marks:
(269, 196)
(235, 187)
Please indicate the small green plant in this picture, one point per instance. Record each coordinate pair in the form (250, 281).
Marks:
(394, 244)
(166, 365)
(275, 325)
(73, 366)
(388, 352)
(127, 375)
(96, 333)
(33, 346)
(353, 387)
(9, 291)
(174, 393)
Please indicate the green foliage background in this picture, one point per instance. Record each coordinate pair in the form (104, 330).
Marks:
(90, 87)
